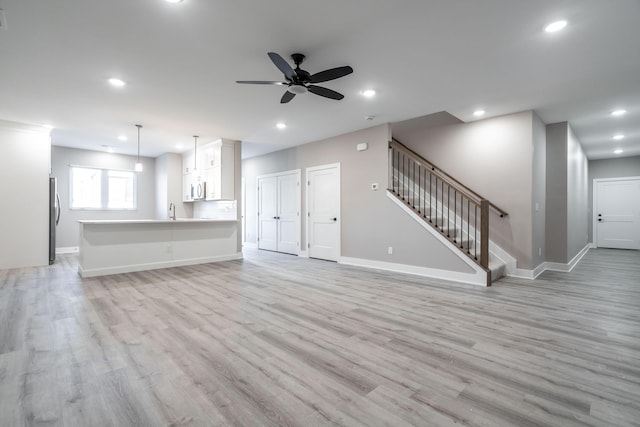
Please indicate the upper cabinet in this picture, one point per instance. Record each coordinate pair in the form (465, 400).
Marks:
(220, 170)
(209, 172)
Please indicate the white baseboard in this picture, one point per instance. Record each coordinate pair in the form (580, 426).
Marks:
(551, 266)
(476, 278)
(67, 250)
(250, 245)
(557, 266)
(155, 265)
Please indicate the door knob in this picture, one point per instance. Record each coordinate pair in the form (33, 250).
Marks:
(275, 217)
(334, 219)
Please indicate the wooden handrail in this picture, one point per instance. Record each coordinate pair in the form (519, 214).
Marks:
(443, 175)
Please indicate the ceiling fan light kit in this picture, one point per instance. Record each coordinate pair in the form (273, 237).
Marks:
(300, 81)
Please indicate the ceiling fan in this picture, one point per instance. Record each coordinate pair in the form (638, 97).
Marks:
(300, 81)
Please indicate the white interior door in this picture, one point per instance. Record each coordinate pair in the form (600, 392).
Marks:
(617, 212)
(288, 215)
(323, 212)
(267, 213)
(279, 212)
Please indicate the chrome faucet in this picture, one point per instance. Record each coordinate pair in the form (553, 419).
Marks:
(172, 211)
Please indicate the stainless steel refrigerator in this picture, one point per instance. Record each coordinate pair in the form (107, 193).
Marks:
(54, 217)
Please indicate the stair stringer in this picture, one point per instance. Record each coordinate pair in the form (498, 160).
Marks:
(479, 275)
(496, 253)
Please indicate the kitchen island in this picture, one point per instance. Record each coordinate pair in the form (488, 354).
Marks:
(123, 246)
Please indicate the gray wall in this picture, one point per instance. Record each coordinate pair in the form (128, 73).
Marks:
(494, 157)
(25, 156)
(609, 168)
(556, 221)
(577, 196)
(62, 157)
(567, 194)
(539, 190)
(370, 221)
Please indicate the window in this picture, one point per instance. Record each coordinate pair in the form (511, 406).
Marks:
(103, 189)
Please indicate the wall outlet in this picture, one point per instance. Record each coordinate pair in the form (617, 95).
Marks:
(390, 250)
(375, 186)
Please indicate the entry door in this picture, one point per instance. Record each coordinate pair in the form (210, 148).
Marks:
(279, 212)
(617, 211)
(323, 212)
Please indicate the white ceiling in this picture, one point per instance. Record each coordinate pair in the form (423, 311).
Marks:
(180, 62)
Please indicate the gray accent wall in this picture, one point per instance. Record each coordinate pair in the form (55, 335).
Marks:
(68, 232)
(495, 158)
(556, 207)
(620, 167)
(567, 194)
(370, 222)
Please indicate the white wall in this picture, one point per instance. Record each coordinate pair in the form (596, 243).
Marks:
(25, 159)
(61, 157)
(168, 171)
(494, 157)
(370, 222)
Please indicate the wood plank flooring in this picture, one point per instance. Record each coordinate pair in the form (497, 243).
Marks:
(277, 340)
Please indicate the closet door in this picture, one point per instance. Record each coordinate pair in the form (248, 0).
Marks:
(268, 213)
(279, 212)
(288, 213)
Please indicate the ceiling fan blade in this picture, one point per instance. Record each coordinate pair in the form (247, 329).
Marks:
(259, 82)
(288, 96)
(333, 73)
(323, 91)
(282, 65)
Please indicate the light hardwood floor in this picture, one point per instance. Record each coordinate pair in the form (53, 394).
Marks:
(279, 340)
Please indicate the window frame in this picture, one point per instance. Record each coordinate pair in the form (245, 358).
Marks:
(104, 189)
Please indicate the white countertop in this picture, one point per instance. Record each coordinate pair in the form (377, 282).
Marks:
(155, 221)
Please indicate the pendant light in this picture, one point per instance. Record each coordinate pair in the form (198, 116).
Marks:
(138, 167)
(195, 152)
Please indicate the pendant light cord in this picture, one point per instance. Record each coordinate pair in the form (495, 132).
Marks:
(195, 152)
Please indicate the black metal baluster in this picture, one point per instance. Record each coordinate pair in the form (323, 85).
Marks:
(430, 198)
(436, 223)
(468, 234)
(455, 215)
(448, 211)
(475, 232)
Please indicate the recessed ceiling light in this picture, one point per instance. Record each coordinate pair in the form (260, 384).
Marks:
(369, 93)
(555, 26)
(618, 151)
(281, 126)
(479, 113)
(179, 146)
(618, 137)
(122, 138)
(174, 1)
(618, 112)
(116, 82)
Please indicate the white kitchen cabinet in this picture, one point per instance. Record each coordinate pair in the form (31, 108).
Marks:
(187, 180)
(220, 170)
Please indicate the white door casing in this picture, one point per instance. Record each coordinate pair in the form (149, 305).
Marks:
(616, 210)
(279, 212)
(323, 212)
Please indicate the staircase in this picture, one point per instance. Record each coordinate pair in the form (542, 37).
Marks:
(450, 208)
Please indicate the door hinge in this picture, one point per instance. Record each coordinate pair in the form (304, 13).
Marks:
(308, 182)
(308, 245)
(309, 214)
